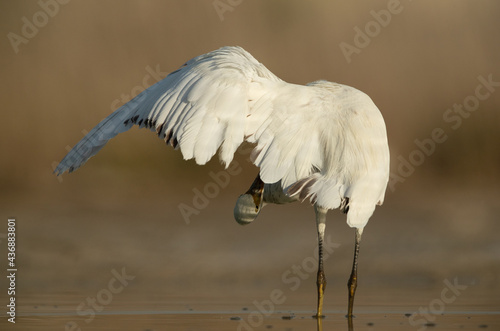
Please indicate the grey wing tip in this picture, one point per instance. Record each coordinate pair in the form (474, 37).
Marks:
(62, 167)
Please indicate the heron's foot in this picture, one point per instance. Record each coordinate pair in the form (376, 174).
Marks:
(321, 282)
(321, 291)
(351, 286)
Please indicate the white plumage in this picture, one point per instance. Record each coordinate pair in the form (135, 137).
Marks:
(324, 141)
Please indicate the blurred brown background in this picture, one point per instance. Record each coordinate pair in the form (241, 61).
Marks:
(439, 221)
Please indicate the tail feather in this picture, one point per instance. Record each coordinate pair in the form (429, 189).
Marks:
(302, 188)
(327, 193)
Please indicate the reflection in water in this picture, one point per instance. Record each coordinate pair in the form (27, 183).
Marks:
(350, 325)
(320, 323)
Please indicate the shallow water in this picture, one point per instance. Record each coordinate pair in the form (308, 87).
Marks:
(204, 313)
(212, 274)
(238, 320)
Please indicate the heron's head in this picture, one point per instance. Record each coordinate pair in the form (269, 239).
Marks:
(246, 209)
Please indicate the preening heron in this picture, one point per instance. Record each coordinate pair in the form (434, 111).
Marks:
(323, 142)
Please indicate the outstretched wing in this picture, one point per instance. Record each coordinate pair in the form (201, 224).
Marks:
(216, 101)
(200, 107)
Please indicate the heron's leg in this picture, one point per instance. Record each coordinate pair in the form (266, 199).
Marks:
(353, 280)
(321, 280)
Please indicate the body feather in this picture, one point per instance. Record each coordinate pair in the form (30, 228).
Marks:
(324, 141)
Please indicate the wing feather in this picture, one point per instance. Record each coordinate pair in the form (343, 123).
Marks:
(304, 135)
(212, 87)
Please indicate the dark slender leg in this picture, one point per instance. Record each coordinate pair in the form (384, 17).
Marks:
(353, 280)
(321, 280)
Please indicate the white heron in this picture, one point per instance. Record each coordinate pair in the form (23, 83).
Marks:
(324, 141)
